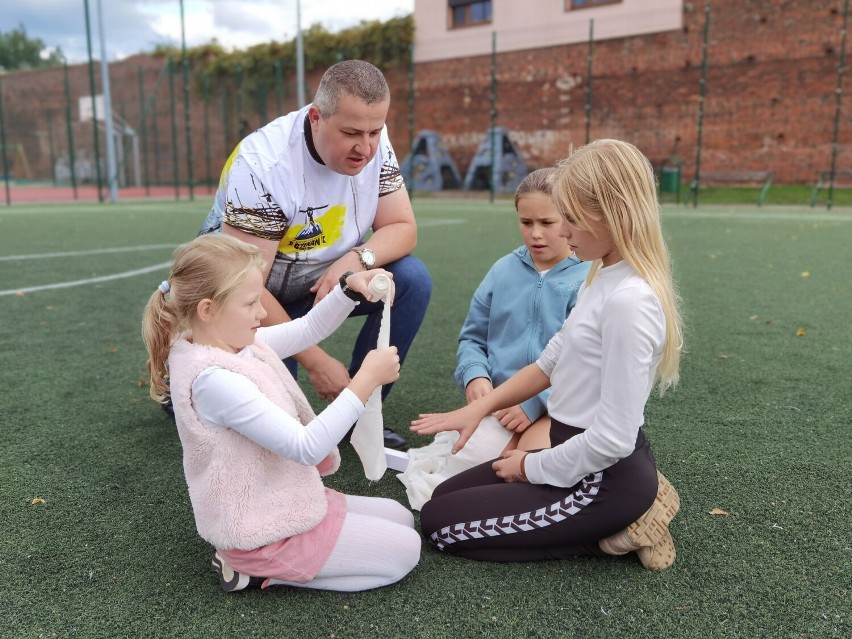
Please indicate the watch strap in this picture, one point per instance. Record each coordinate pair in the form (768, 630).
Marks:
(355, 296)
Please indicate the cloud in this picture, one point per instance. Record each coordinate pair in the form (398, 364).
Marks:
(134, 26)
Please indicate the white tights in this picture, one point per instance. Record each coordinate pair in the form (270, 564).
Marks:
(377, 546)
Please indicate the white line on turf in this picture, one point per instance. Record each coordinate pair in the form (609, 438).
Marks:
(91, 280)
(120, 249)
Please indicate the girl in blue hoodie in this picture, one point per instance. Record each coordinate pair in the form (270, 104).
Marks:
(522, 302)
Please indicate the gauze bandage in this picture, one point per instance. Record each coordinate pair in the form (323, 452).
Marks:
(368, 437)
(434, 463)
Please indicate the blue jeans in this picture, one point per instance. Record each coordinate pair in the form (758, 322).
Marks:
(413, 289)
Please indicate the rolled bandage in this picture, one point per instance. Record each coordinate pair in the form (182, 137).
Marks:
(368, 436)
(380, 288)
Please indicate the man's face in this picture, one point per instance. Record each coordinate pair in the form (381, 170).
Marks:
(349, 139)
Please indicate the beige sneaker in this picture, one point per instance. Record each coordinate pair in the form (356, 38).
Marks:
(649, 536)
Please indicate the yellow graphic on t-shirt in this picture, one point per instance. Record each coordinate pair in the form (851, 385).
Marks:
(319, 231)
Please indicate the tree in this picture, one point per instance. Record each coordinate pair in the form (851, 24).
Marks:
(18, 51)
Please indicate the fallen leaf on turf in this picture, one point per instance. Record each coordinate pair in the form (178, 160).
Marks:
(141, 382)
(36, 501)
(800, 332)
(719, 512)
(112, 349)
(19, 293)
(753, 317)
(806, 273)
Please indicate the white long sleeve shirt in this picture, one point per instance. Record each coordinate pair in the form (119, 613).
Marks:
(225, 399)
(601, 366)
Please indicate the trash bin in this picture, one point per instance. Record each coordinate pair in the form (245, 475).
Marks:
(670, 179)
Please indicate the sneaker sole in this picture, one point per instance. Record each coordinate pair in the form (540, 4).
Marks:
(660, 556)
(229, 580)
(651, 530)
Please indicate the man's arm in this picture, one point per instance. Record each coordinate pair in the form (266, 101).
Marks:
(328, 376)
(394, 236)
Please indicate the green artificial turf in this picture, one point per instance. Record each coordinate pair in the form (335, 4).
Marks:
(758, 432)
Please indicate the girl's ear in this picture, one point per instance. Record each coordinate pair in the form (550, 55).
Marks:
(205, 310)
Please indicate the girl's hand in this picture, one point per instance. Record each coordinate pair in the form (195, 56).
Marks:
(510, 467)
(464, 420)
(476, 388)
(513, 418)
(360, 282)
(380, 366)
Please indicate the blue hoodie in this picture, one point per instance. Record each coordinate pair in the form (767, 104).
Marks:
(513, 314)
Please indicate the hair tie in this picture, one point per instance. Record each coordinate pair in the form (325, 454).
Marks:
(164, 287)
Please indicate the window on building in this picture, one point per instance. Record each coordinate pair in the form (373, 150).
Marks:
(466, 13)
(585, 4)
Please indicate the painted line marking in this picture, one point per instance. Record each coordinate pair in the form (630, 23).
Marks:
(123, 249)
(91, 280)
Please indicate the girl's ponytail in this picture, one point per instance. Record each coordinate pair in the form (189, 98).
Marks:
(160, 327)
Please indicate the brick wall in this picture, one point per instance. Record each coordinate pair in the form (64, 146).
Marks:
(770, 100)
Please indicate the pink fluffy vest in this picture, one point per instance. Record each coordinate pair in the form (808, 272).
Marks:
(243, 495)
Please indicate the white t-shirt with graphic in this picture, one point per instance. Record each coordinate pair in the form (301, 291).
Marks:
(275, 186)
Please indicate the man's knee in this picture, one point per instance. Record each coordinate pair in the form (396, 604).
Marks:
(411, 279)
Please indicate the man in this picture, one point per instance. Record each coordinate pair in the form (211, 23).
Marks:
(307, 189)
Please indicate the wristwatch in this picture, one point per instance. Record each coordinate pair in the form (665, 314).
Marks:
(367, 257)
(355, 296)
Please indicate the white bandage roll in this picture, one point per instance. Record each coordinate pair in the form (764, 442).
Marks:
(380, 287)
(368, 438)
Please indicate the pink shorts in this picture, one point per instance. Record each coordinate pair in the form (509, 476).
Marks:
(298, 558)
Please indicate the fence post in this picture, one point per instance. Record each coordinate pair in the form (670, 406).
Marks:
(175, 170)
(72, 160)
(493, 114)
(143, 128)
(703, 92)
(278, 88)
(3, 149)
(187, 111)
(588, 92)
(410, 106)
(841, 70)
(94, 101)
(205, 93)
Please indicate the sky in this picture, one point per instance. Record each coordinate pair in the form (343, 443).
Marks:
(134, 26)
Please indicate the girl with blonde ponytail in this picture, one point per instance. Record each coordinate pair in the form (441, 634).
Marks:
(254, 453)
(597, 490)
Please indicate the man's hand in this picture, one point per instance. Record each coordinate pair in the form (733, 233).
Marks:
(328, 376)
(476, 388)
(513, 418)
(329, 279)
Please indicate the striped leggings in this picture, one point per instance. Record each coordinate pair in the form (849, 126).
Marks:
(477, 515)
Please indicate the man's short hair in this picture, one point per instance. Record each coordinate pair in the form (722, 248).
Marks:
(355, 77)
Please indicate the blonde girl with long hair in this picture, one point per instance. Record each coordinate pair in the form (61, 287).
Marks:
(597, 490)
(253, 450)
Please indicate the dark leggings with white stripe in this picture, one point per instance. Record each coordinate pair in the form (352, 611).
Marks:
(477, 515)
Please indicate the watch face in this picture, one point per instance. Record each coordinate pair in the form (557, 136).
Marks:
(368, 258)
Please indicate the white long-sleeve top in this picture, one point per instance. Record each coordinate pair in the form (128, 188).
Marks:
(226, 399)
(601, 366)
